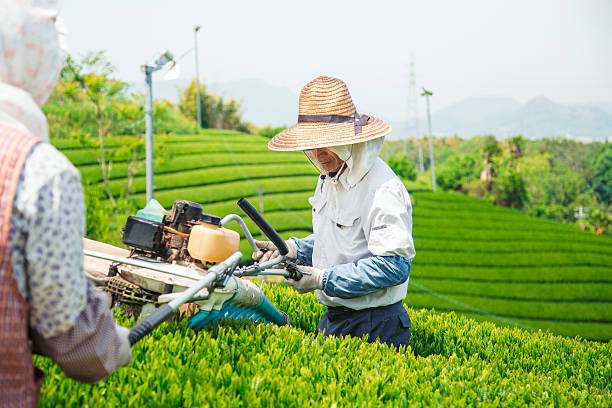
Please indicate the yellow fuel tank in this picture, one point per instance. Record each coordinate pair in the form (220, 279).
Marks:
(212, 243)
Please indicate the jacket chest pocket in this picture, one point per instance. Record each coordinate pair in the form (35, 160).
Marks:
(345, 230)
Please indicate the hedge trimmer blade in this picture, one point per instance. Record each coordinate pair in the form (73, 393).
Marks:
(264, 311)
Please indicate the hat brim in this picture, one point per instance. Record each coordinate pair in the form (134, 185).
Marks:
(305, 136)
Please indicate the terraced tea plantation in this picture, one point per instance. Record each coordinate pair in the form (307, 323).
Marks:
(488, 262)
(484, 262)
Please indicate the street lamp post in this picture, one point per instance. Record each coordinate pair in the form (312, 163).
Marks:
(162, 60)
(427, 94)
(197, 68)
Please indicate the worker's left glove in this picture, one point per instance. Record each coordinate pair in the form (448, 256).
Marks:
(125, 350)
(312, 279)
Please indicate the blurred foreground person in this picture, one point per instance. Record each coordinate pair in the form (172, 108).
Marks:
(46, 305)
(360, 252)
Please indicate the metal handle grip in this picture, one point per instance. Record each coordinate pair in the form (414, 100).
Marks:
(263, 225)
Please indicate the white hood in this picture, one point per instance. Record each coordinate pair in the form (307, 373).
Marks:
(31, 58)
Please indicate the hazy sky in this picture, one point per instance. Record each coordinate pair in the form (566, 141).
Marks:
(561, 49)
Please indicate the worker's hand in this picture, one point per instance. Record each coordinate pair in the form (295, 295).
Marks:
(125, 350)
(272, 251)
(312, 279)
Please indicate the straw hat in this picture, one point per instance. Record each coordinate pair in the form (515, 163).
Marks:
(327, 117)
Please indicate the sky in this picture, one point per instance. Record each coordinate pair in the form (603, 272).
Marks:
(521, 49)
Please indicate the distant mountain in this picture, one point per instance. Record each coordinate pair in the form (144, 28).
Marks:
(474, 115)
(262, 103)
(539, 117)
(604, 106)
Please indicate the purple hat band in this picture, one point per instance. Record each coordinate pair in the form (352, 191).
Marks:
(359, 120)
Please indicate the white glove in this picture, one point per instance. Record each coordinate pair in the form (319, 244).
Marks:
(272, 250)
(125, 350)
(312, 279)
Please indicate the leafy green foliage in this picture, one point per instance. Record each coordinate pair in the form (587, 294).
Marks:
(269, 131)
(548, 178)
(402, 167)
(215, 111)
(452, 361)
(602, 174)
(510, 189)
(457, 171)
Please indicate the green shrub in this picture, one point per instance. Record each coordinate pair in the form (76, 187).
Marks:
(269, 131)
(402, 167)
(456, 172)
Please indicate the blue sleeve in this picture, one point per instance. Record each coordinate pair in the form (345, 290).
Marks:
(368, 275)
(304, 246)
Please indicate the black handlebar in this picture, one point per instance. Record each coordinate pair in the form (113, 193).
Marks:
(150, 322)
(263, 225)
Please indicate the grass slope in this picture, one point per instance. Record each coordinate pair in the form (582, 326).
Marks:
(484, 261)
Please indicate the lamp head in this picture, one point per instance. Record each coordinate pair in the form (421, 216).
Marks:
(164, 58)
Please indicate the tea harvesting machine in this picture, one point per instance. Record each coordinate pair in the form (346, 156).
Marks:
(185, 255)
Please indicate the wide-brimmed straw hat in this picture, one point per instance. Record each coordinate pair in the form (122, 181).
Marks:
(327, 117)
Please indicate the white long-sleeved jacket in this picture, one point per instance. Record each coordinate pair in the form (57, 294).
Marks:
(366, 211)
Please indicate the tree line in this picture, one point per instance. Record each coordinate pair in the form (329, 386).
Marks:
(554, 178)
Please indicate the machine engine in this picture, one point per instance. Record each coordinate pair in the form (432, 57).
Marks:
(178, 238)
(185, 236)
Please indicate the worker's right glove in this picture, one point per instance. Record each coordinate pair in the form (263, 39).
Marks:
(312, 279)
(125, 350)
(271, 251)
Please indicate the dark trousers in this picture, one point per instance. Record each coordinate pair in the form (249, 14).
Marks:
(389, 323)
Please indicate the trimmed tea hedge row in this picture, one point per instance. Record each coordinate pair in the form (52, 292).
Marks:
(90, 156)
(503, 233)
(207, 135)
(216, 175)
(562, 292)
(273, 201)
(508, 273)
(234, 190)
(453, 361)
(515, 259)
(595, 248)
(448, 333)
(489, 227)
(588, 330)
(566, 311)
(178, 164)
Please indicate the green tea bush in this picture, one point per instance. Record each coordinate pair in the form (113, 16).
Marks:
(452, 361)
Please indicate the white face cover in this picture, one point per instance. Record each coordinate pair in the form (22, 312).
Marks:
(30, 46)
(359, 159)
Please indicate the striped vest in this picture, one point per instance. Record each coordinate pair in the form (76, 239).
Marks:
(19, 382)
